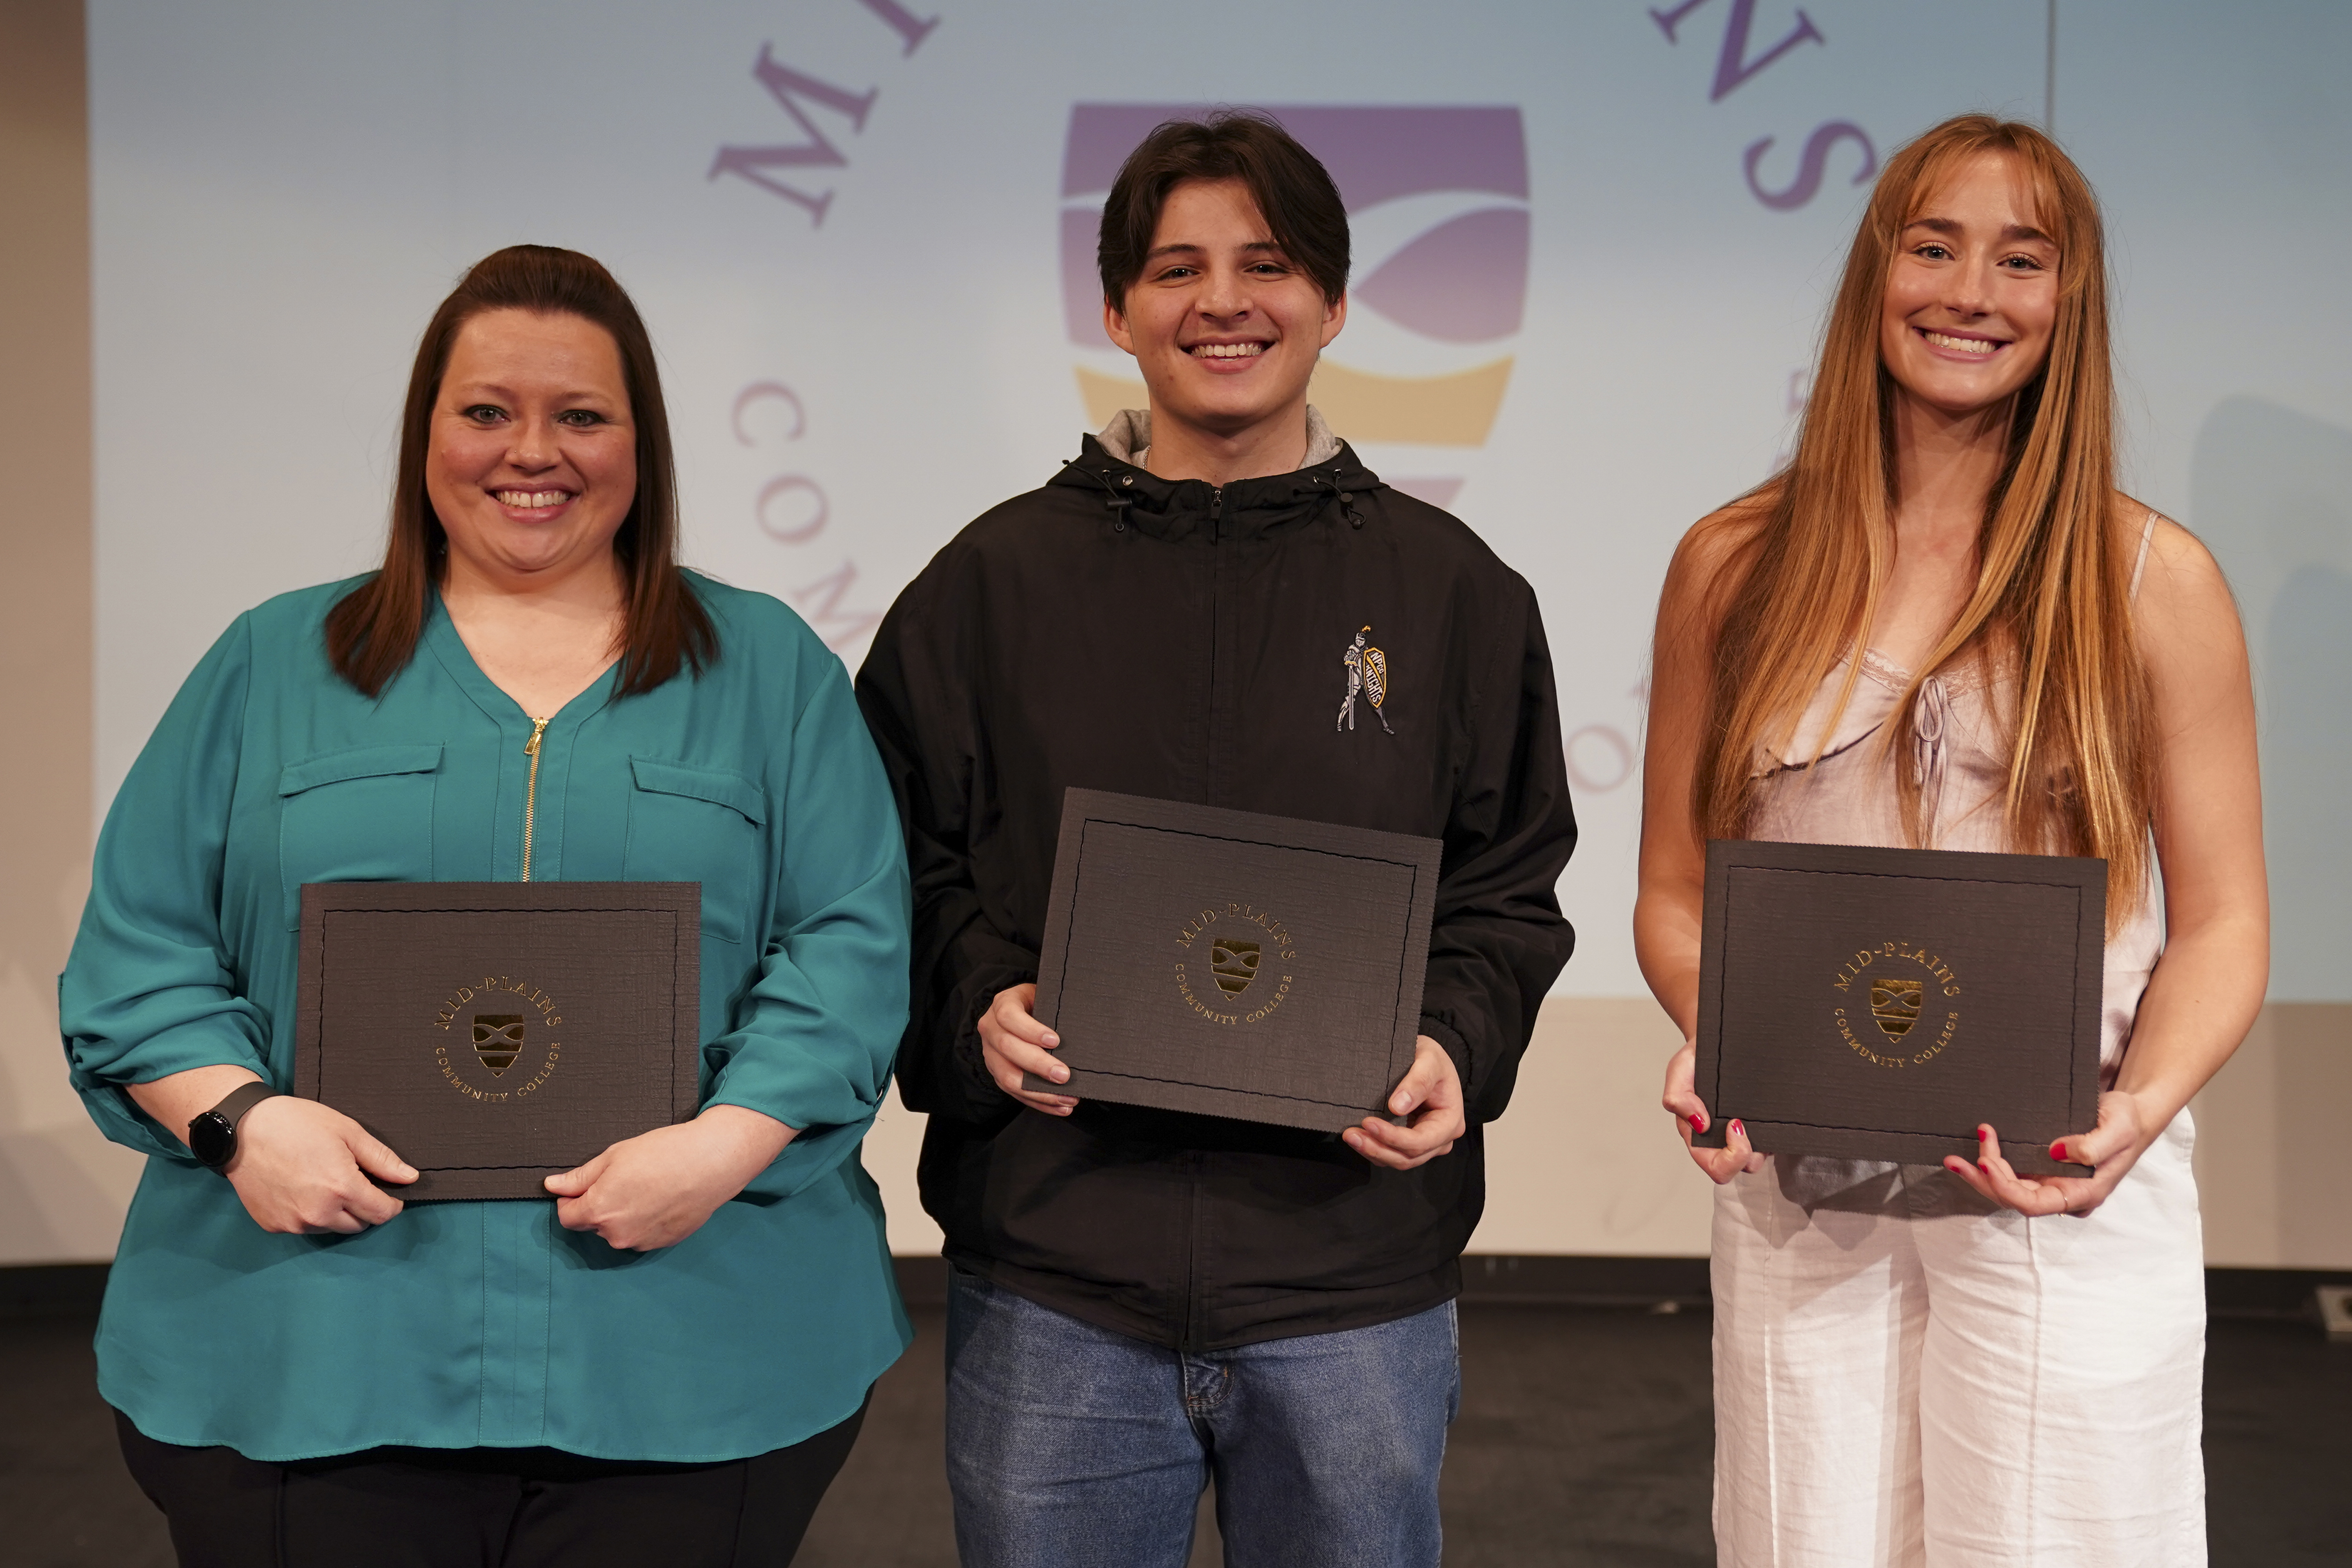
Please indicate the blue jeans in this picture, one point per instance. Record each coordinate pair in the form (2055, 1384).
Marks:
(1073, 1446)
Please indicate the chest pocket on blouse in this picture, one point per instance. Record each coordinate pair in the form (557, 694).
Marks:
(358, 816)
(699, 825)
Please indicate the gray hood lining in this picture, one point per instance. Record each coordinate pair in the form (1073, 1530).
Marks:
(1128, 437)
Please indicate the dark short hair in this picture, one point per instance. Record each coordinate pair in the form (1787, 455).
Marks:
(1293, 191)
(371, 632)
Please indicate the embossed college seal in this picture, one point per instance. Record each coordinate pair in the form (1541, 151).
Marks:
(1897, 1002)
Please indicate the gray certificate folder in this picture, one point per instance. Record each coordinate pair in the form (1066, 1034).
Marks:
(1231, 964)
(1879, 1004)
(496, 1033)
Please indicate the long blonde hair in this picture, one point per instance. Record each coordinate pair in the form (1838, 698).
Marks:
(2053, 589)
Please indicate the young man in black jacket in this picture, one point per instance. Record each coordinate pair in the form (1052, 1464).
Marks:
(1217, 602)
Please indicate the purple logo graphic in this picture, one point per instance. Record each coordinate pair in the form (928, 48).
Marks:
(1461, 280)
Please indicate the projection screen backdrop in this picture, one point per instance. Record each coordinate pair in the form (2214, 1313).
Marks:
(1594, 243)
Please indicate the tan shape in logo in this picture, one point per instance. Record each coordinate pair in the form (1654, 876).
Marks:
(1895, 1005)
(497, 1040)
(1234, 964)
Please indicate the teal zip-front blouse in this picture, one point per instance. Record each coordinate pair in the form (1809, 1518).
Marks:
(466, 1324)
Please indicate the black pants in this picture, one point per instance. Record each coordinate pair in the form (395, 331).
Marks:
(484, 1507)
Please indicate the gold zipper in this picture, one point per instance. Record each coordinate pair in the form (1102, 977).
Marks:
(530, 791)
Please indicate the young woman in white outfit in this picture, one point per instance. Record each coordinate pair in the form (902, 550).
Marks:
(1943, 625)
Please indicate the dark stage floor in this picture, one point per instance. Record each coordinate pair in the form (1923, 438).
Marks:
(1583, 1439)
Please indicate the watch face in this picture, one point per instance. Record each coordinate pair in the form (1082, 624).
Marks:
(211, 1139)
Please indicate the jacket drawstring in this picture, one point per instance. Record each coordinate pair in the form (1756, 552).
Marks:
(1347, 502)
(1111, 497)
(1119, 503)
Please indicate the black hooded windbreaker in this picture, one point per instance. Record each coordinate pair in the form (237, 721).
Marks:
(1117, 631)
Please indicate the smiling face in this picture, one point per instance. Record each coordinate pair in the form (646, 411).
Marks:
(1225, 327)
(1973, 295)
(532, 462)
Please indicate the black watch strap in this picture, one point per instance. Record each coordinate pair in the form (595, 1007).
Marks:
(211, 1136)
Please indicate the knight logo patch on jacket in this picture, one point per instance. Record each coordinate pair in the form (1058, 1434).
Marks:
(1367, 676)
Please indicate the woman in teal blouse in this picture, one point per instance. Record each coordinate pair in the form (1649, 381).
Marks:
(667, 1361)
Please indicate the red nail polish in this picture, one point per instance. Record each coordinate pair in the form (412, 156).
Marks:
(1985, 1165)
(2058, 1149)
(1698, 1123)
(1739, 1127)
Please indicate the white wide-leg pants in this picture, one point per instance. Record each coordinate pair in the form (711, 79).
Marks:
(1901, 1378)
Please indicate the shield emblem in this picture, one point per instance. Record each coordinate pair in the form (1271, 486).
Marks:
(1895, 1005)
(1234, 964)
(497, 1040)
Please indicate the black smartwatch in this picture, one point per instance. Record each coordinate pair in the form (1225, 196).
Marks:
(211, 1136)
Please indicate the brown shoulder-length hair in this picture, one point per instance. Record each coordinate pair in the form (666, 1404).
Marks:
(1293, 191)
(2053, 591)
(371, 632)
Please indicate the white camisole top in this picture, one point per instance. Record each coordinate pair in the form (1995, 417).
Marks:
(1846, 796)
